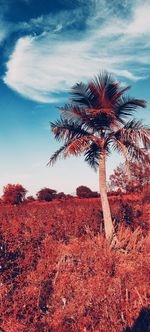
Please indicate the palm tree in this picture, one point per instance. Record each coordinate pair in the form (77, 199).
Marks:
(94, 124)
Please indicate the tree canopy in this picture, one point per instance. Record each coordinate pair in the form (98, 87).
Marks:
(138, 180)
(14, 194)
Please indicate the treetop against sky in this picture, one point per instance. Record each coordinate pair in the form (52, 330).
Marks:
(46, 47)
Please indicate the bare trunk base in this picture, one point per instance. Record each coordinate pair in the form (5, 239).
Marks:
(108, 224)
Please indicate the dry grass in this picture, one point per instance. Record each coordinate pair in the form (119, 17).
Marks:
(59, 279)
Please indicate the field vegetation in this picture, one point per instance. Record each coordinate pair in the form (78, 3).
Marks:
(60, 274)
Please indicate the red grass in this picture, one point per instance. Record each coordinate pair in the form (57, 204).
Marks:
(60, 275)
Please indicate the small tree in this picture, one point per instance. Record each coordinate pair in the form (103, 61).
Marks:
(46, 194)
(138, 180)
(14, 194)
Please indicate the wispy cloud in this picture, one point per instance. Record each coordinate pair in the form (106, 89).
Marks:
(3, 30)
(4, 25)
(51, 59)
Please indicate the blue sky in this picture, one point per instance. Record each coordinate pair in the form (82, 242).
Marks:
(46, 47)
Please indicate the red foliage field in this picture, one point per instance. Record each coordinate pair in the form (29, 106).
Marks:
(58, 273)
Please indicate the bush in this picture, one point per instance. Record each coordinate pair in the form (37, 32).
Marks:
(14, 194)
(60, 195)
(85, 192)
(30, 199)
(68, 196)
(46, 194)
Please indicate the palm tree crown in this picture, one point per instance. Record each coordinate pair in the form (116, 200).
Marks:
(96, 121)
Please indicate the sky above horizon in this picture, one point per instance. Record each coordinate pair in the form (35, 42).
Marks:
(45, 48)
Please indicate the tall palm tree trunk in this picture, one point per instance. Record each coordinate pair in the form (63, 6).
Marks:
(108, 225)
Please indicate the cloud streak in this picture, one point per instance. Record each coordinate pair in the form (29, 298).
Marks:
(51, 59)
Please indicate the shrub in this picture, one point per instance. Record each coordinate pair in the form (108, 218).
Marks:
(30, 199)
(46, 194)
(60, 195)
(68, 196)
(85, 192)
(95, 194)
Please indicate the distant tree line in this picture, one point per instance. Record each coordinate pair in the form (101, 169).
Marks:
(119, 183)
(15, 194)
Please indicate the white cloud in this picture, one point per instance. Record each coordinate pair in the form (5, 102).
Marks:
(42, 66)
(141, 21)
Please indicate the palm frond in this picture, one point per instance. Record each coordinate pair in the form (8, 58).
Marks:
(134, 131)
(77, 146)
(114, 93)
(109, 90)
(125, 106)
(93, 94)
(73, 147)
(98, 88)
(136, 153)
(118, 146)
(65, 129)
(103, 80)
(81, 94)
(57, 154)
(92, 155)
(72, 112)
(122, 149)
(130, 150)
